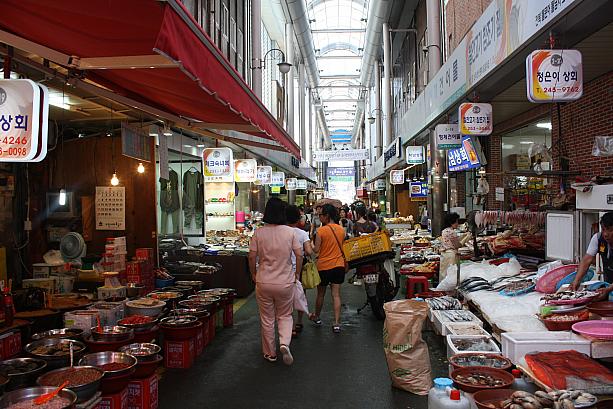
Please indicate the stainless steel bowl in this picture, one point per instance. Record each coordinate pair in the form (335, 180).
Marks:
(25, 394)
(22, 371)
(196, 312)
(55, 360)
(62, 333)
(143, 352)
(83, 391)
(136, 307)
(196, 285)
(116, 333)
(102, 358)
(139, 327)
(179, 320)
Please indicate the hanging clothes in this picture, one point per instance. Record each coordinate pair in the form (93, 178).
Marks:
(193, 197)
(169, 202)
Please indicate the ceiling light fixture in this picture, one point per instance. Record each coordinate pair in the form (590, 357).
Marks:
(544, 125)
(114, 179)
(140, 168)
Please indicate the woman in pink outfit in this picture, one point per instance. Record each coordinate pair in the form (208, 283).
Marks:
(271, 268)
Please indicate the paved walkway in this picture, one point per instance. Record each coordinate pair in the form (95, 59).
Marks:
(331, 371)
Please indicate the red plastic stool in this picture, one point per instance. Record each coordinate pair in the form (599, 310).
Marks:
(412, 281)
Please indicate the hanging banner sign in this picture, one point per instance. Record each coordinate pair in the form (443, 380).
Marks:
(415, 155)
(277, 179)
(24, 114)
(290, 183)
(554, 75)
(475, 119)
(418, 191)
(393, 151)
(448, 136)
(397, 177)
(464, 158)
(245, 170)
(263, 175)
(380, 184)
(218, 165)
(301, 184)
(348, 154)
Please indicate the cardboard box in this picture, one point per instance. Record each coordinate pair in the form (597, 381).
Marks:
(143, 393)
(115, 401)
(179, 354)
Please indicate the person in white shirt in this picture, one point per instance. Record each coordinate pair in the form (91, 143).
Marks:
(601, 243)
(293, 217)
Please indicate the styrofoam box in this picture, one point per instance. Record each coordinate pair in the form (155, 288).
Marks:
(455, 328)
(438, 321)
(452, 350)
(515, 345)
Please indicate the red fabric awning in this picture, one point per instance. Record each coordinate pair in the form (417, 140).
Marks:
(201, 85)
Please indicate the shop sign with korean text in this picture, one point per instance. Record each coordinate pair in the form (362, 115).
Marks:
(394, 150)
(263, 175)
(463, 158)
(277, 179)
(554, 75)
(475, 118)
(397, 177)
(448, 136)
(418, 190)
(291, 184)
(380, 184)
(348, 154)
(218, 165)
(416, 155)
(245, 170)
(301, 184)
(24, 114)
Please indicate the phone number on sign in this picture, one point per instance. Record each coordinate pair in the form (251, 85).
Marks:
(13, 151)
(561, 89)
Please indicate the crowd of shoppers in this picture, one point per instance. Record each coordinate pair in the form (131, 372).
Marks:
(277, 253)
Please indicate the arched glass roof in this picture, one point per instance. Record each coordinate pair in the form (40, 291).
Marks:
(339, 29)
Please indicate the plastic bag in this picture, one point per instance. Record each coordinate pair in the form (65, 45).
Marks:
(310, 275)
(300, 300)
(483, 188)
(603, 146)
(408, 360)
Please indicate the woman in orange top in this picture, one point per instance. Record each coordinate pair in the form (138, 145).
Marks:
(330, 263)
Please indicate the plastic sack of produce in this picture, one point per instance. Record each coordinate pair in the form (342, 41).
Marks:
(571, 370)
(406, 352)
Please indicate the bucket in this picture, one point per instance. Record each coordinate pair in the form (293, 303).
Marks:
(181, 333)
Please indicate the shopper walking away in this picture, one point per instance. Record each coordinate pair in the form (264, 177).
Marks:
(372, 217)
(294, 220)
(330, 263)
(363, 225)
(346, 223)
(270, 263)
(450, 242)
(315, 222)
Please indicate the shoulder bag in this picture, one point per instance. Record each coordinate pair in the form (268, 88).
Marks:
(340, 248)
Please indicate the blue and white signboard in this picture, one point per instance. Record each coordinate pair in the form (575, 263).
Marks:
(418, 190)
(463, 158)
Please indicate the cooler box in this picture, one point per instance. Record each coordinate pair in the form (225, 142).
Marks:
(515, 345)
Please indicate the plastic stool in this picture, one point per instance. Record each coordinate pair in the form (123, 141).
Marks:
(412, 281)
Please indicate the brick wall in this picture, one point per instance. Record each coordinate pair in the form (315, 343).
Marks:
(493, 153)
(580, 122)
(460, 15)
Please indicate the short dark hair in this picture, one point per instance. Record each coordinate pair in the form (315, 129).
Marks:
(372, 216)
(451, 218)
(292, 214)
(606, 220)
(361, 211)
(274, 213)
(329, 210)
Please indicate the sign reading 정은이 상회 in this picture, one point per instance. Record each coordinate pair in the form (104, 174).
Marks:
(218, 165)
(554, 75)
